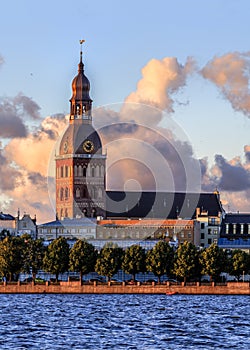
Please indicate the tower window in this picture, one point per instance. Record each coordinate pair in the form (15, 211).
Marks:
(80, 172)
(61, 171)
(66, 171)
(61, 194)
(93, 172)
(78, 193)
(84, 171)
(66, 193)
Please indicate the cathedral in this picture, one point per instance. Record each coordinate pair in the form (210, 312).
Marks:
(81, 171)
(86, 209)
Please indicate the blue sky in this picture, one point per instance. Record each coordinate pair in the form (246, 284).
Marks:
(39, 46)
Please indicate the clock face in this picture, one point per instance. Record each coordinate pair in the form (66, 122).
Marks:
(88, 146)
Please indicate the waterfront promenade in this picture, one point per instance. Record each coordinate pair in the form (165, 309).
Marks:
(76, 287)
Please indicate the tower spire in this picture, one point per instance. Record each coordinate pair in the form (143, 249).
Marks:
(80, 102)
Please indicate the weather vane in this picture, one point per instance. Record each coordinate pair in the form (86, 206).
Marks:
(81, 42)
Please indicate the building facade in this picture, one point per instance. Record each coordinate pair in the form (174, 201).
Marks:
(81, 163)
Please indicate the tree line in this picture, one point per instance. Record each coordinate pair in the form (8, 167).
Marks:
(186, 263)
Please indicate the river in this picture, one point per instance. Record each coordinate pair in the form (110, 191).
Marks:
(124, 322)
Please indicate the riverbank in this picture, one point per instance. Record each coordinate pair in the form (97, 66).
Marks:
(76, 287)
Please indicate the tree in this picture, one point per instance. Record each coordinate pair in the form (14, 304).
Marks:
(82, 257)
(186, 263)
(109, 260)
(134, 260)
(56, 259)
(34, 252)
(214, 261)
(11, 257)
(238, 263)
(4, 233)
(159, 259)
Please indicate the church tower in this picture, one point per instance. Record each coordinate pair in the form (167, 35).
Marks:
(81, 163)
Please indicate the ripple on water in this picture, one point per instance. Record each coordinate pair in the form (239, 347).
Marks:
(147, 322)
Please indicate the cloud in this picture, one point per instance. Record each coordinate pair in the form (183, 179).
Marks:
(227, 176)
(231, 73)
(247, 153)
(26, 106)
(24, 168)
(10, 177)
(33, 152)
(160, 79)
(14, 113)
(11, 125)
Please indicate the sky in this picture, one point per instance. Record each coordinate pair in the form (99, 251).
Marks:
(189, 59)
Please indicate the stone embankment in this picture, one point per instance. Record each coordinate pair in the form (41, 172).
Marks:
(76, 287)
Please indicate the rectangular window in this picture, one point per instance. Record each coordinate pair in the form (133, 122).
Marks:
(227, 229)
(241, 229)
(202, 225)
(234, 229)
(202, 235)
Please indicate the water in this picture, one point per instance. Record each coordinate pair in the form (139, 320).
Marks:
(124, 322)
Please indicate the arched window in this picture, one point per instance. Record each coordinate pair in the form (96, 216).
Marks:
(80, 170)
(61, 171)
(99, 193)
(97, 171)
(61, 194)
(93, 172)
(66, 213)
(84, 172)
(88, 170)
(78, 192)
(75, 170)
(61, 213)
(66, 193)
(102, 170)
(66, 171)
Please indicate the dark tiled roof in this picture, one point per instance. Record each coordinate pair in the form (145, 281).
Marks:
(237, 218)
(70, 223)
(160, 204)
(6, 216)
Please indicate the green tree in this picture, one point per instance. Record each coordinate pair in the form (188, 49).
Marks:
(109, 260)
(238, 263)
(82, 257)
(214, 261)
(56, 259)
(159, 259)
(34, 252)
(134, 260)
(11, 257)
(4, 233)
(186, 264)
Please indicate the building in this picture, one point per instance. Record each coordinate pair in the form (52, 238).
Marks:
(71, 229)
(81, 191)
(8, 223)
(235, 231)
(18, 226)
(81, 163)
(174, 231)
(26, 225)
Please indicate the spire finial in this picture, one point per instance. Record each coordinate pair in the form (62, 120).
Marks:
(81, 42)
